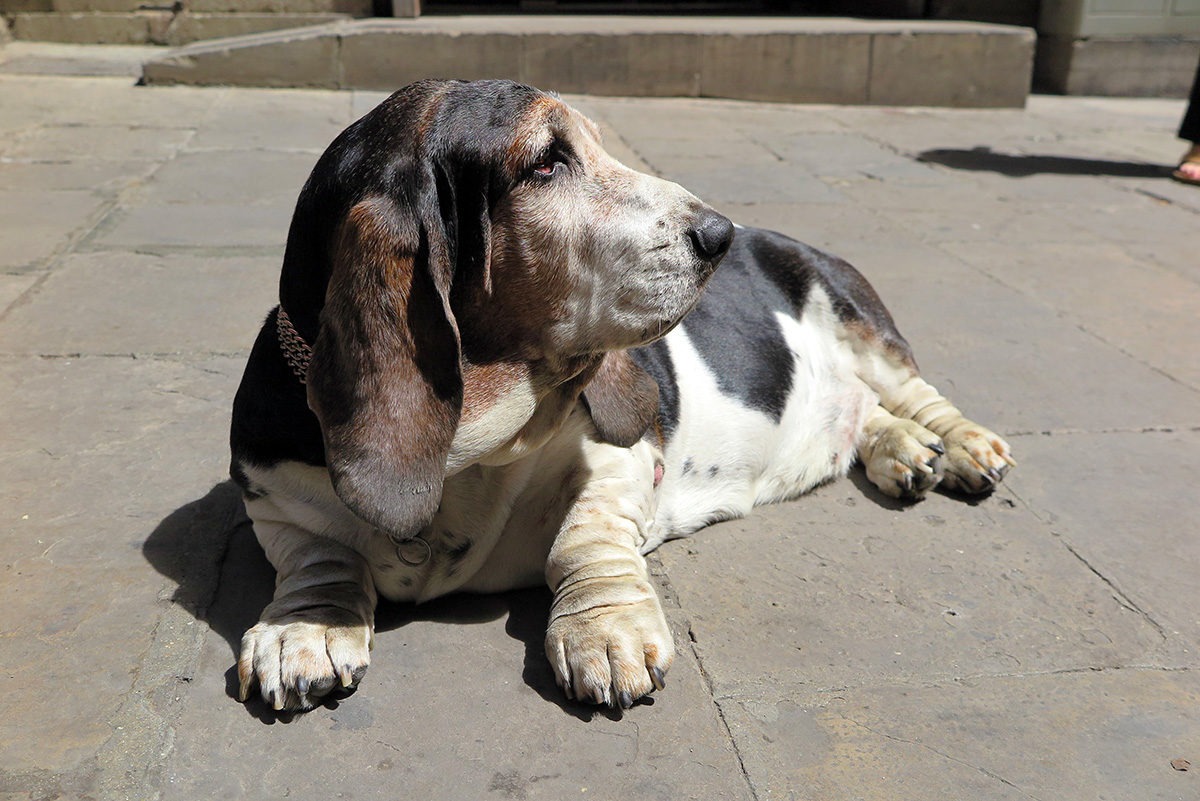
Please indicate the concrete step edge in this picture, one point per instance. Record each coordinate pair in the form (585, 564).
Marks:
(157, 27)
(826, 60)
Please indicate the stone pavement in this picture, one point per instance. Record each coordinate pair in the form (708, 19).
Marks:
(1040, 643)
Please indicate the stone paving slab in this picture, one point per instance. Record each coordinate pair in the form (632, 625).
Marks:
(709, 120)
(1137, 306)
(274, 120)
(77, 594)
(840, 590)
(13, 287)
(1088, 734)
(98, 143)
(105, 178)
(36, 101)
(175, 295)
(251, 177)
(35, 225)
(405, 726)
(218, 225)
(1115, 514)
(819, 656)
(768, 182)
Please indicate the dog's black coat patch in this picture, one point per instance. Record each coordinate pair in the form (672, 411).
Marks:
(793, 267)
(734, 330)
(734, 326)
(271, 420)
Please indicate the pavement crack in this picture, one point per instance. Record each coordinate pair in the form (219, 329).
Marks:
(182, 357)
(1082, 326)
(1074, 671)
(1118, 594)
(1067, 432)
(977, 768)
(664, 580)
(725, 727)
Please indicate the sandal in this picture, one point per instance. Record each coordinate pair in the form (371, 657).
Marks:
(1191, 161)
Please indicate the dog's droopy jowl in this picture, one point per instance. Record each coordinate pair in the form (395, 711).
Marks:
(502, 358)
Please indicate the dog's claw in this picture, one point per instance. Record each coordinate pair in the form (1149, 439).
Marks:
(625, 699)
(937, 448)
(658, 678)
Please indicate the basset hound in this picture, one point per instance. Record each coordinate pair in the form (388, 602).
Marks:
(501, 357)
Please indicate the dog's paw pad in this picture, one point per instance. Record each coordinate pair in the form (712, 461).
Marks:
(976, 459)
(296, 663)
(904, 460)
(611, 655)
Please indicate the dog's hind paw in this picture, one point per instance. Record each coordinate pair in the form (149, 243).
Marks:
(904, 459)
(976, 459)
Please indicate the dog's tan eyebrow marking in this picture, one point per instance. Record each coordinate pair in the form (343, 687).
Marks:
(535, 131)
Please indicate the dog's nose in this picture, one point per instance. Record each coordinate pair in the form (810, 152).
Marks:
(711, 235)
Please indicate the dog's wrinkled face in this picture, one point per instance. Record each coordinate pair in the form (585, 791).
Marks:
(587, 255)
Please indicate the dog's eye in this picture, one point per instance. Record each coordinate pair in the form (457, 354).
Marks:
(547, 168)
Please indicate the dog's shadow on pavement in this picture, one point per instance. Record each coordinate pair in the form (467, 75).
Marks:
(858, 477)
(207, 547)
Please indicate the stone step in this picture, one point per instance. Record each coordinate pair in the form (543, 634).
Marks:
(792, 59)
(162, 27)
(356, 8)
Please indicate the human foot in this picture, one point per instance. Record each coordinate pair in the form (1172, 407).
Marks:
(1188, 170)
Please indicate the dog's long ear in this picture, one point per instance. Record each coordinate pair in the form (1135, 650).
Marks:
(622, 398)
(386, 376)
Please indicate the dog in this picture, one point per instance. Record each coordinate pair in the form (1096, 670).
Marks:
(501, 357)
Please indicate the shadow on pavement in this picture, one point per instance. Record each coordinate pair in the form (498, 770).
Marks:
(858, 477)
(207, 547)
(984, 159)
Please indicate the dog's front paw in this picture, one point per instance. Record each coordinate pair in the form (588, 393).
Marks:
(611, 654)
(976, 459)
(300, 658)
(904, 459)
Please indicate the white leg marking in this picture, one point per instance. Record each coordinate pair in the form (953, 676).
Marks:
(317, 632)
(607, 640)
